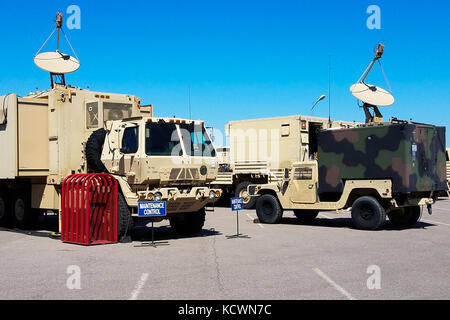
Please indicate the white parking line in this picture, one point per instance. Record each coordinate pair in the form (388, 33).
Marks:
(334, 284)
(259, 224)
(139, 286)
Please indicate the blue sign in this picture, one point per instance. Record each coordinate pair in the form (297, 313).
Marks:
(237, 204)
(152, 209)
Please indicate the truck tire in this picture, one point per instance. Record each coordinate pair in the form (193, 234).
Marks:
(306, 216)
(187, 224)
(367, 213)
(4, 209)
(405, 217)
(268, 209)
(125, 222)
(23, 217)
(241, 192)
(93, 151)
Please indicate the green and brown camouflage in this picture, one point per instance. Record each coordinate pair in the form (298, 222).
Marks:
(411, 155)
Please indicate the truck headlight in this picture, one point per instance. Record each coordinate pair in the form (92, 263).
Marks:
(157, 196)
(212, 194)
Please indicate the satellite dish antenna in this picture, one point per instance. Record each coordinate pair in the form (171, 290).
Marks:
(373, 96)
(57, 63)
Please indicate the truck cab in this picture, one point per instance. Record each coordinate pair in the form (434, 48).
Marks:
(169, 159)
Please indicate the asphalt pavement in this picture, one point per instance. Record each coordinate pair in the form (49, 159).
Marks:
(326, 259)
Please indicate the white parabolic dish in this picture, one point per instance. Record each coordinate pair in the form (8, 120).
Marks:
(372, 95)
(56, 62)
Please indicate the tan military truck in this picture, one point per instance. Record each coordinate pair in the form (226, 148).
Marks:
(49, 135)
(260, 150)
(374, 169)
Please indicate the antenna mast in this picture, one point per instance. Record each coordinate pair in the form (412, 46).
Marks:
(57, 63)
(370, 95)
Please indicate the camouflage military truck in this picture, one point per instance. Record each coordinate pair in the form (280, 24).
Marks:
(49, 135)
(375, 169)
(260, 149)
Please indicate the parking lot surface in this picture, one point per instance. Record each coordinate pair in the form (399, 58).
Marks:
(326, 259)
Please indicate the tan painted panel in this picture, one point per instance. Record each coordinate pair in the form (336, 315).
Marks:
(8, 138)
(33, 137)
(44, 197)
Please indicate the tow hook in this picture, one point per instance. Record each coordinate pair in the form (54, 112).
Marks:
(430, 209)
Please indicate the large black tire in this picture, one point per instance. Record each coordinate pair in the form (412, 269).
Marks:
(23, 217)
(94, 148)
(268, 209)
(306, 216)
(4, 208)
(187, 224)
(125, 223)
(405, 217)
(241, 192)
(367, 213)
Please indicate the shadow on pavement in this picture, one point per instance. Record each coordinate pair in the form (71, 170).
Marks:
(164, 233)
(44, 227)
(347, 223)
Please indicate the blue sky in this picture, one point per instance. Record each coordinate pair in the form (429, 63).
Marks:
(242, 59)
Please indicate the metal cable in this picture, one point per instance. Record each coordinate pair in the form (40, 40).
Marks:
(67, 39)
(385, 78)
(46, 42)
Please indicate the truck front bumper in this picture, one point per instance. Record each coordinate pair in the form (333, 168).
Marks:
(181, 201)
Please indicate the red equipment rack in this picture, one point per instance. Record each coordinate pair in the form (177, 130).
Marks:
(89, 209)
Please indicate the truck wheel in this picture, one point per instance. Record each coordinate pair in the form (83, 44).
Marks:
(22, 215)
(241, 192)
(94, 148)
(405, 217)
(367, 213)
(4, 209)
(306, 215)
(269, 209)
(125, 222)
(188, 223)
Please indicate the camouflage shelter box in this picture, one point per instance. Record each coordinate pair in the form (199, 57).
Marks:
(411, 155)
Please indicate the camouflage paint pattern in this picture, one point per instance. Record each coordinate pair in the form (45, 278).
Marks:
(411, 155)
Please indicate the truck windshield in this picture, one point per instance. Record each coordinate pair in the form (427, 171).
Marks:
(196, 141)
(161, 139)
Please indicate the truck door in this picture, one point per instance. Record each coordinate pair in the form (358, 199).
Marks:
(303, 183)
(129, 149)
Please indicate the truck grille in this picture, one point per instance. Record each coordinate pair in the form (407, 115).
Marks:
(184, 174)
